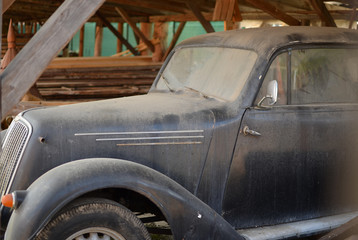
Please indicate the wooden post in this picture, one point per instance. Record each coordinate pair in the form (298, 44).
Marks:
(98, 40)
(160, 34)
(145, 29)
(82, 38)
(32, 60)
(116, 33)
(136, 30)
(119, 43)
(175, 39)
(206, 24)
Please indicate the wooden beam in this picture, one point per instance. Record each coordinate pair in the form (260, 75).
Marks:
(354, 15)
(224, 10)
(82, 38)
(117, 34)
(136, 30)
(175, 39)
(273, 11)
(98, 40)
(323, 13)
(32, 60)
(161, 6)
(119, 43)
(6, 4)
(206, 24)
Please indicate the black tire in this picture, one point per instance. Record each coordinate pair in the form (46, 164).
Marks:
(94, 216)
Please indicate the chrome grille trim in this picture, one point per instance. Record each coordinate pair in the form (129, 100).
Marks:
(13, 148)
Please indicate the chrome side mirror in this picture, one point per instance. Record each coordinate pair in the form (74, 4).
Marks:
(271, 94)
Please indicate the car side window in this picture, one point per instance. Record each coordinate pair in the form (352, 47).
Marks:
(278, 72)
(318, 75)
(324, 76)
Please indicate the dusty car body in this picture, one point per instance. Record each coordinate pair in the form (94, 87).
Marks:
(243, 134)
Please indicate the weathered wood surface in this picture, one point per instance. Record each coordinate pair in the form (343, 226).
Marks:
(6, 4)
(78, 79)
(32, 60)
(275, 12)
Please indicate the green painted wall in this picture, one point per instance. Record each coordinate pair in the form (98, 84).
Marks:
(109, 42)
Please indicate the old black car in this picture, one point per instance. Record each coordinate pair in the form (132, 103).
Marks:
(247, 134)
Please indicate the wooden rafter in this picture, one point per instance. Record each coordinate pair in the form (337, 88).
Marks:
(162, 6)
(136, 30)
(323, 13)
(174, 40)
(354, 15)
(32, 60)
(206, 24)
(116, 33)
(273, 11)
(6, 4)
(224, 10)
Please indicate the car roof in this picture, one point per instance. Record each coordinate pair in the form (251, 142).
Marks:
(266, 40)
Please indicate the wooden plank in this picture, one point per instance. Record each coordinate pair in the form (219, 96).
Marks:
(82, 37)
(136, 30)
(217, 10)
(6, 4)
(116, 33)
(32, 60)
(275, 12)
(174, 40)
(206, 24)
(323, 13)
(84, 62)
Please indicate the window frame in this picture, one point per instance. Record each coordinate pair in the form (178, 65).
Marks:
(288, 50)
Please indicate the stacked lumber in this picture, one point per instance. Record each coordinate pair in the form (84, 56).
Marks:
(84, 79)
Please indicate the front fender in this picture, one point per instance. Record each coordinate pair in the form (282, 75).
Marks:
(187, 215)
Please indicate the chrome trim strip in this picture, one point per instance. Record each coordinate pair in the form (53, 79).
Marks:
(24, 121)
(158, 143)
(148, 132)
(297, 229)
(146, 138)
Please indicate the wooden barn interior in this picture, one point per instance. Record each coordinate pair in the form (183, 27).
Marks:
(39, 68)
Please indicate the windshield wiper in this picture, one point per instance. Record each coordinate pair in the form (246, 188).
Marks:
(167, 83)
(194, 90)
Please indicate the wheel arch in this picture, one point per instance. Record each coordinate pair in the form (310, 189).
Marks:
(188, 217)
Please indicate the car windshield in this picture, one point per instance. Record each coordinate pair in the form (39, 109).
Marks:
(211, 71)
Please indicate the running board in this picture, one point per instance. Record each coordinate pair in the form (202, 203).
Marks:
(297, 229)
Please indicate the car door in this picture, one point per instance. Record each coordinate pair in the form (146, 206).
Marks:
(300, 154)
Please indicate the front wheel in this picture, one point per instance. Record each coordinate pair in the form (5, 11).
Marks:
(93, 219)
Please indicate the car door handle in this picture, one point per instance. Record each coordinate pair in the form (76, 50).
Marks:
(248, 131)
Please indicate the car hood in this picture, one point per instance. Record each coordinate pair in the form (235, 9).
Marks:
(168, 132)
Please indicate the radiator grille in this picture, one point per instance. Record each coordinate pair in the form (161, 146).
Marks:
(12, 150)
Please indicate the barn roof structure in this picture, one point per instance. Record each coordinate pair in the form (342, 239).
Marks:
(186, 10)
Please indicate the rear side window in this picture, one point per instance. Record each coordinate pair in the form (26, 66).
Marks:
(324, 76)
(309, 76)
